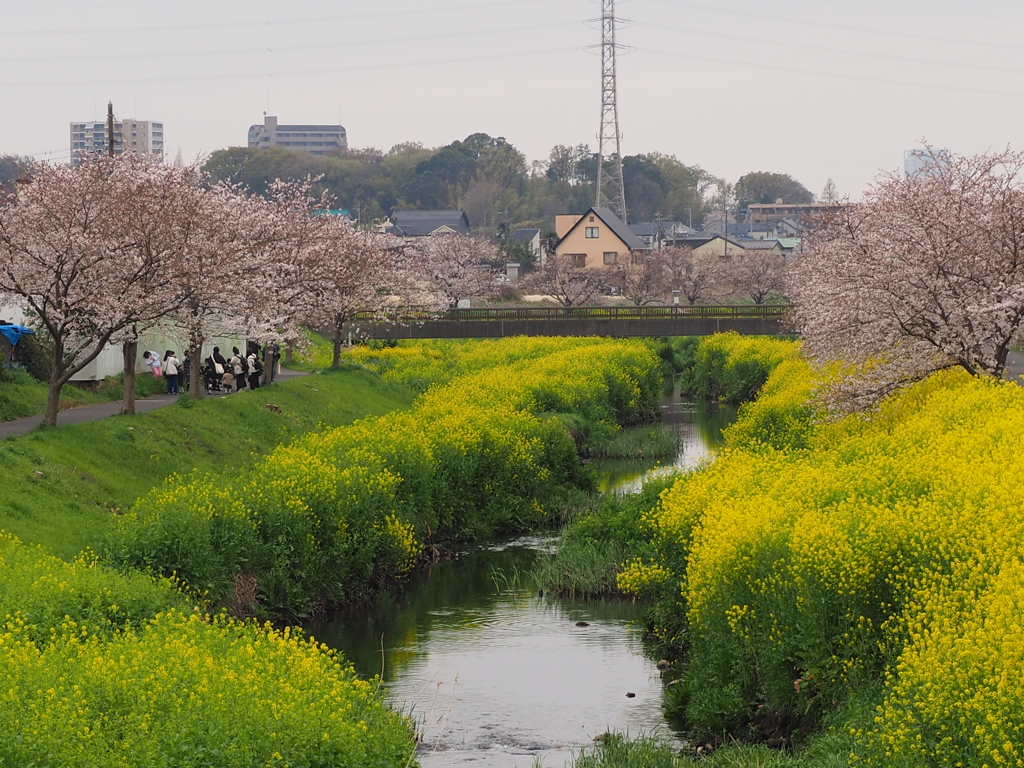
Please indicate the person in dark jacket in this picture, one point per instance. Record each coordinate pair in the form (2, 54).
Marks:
(255, 367)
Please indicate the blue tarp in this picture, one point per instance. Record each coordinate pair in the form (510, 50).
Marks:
(14, 332)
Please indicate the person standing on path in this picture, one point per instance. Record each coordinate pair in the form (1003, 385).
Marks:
(255, 367)
(238, 366)
(171, 366)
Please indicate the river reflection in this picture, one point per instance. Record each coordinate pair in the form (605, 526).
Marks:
(496, 675)
(698, 424)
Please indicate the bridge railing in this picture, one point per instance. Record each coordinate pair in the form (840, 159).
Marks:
(726, 311)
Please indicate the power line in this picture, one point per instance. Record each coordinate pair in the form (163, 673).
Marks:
(833, 75)
(278, 48)
(267, 23)
(830, 50)
(835, 25)
(290, 73)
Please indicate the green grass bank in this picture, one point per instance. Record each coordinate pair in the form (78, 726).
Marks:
(22, 395)
(63, 487)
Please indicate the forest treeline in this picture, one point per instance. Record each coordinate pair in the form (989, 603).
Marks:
(493, 182)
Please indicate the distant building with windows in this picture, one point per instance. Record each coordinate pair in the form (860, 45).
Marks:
(315, 139)
(926, 161)
(596, 239)
(143, 137)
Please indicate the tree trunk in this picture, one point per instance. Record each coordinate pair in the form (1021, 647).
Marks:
(288, 352)
(129, 353)
(336, 362)
(268, 364)
(57, 381)
(195, 363)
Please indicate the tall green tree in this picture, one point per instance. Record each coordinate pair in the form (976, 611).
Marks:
(763, 187)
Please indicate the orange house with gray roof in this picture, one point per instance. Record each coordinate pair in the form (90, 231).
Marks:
(598, 239)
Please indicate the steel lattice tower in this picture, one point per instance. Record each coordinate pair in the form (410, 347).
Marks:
(609, 134)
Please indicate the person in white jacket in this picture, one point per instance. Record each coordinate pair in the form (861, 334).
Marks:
(171, 367)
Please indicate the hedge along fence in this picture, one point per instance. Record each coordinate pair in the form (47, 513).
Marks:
(99, 668)
(332, 515)
(811, 560)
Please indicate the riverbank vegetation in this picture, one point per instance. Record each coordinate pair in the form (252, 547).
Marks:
(100, 668)
(104, 667)
(65, 487)
(331, 516)
(852, 582)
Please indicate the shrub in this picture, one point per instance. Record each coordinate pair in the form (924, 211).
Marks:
(337, 513)
(812, 559)
(188, 691)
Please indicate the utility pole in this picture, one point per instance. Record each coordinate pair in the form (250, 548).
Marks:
(609, 135)
(110, 129)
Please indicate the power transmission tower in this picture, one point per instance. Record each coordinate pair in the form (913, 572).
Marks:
(609, 135)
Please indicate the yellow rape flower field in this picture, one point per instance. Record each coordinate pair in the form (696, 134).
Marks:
(129, 658)
(814, 559)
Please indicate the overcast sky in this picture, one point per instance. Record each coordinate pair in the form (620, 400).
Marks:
(813, 88)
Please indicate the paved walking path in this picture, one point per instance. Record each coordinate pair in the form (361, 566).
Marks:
(1014, 366)
(17, 427)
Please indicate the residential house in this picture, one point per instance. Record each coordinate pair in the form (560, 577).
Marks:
(765, 212)
(716, 244)
(596, 239)
(762, 246)
(531, 239)
(751, 230)
(423, 223)
(653, 233)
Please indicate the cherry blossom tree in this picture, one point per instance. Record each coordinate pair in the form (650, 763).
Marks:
(756, 274)
(566, 281)
(159, 219)
(66, 256)
(361, 271)
(215, 272)
(642, 280)
(926, 273)
(695, 275)
(314, 268)
(454, 267)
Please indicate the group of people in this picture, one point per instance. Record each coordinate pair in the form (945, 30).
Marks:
(238, 370)
(219, 374)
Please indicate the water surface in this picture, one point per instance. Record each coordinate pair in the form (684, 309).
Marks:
(496, 675)
(698, 425)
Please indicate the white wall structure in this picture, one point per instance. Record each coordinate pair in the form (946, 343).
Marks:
(161, 338)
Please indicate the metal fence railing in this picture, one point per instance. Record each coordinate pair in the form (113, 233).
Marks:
(697, 312)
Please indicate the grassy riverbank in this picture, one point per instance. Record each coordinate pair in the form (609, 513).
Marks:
(64, 487)
(21, 395)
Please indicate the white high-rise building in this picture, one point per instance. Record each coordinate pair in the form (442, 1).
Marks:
(926, 161)
(143, 137)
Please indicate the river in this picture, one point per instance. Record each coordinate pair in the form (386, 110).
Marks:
(494, 674)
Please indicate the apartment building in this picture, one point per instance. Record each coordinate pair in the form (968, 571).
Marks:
(315, 139)
(143, 137)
